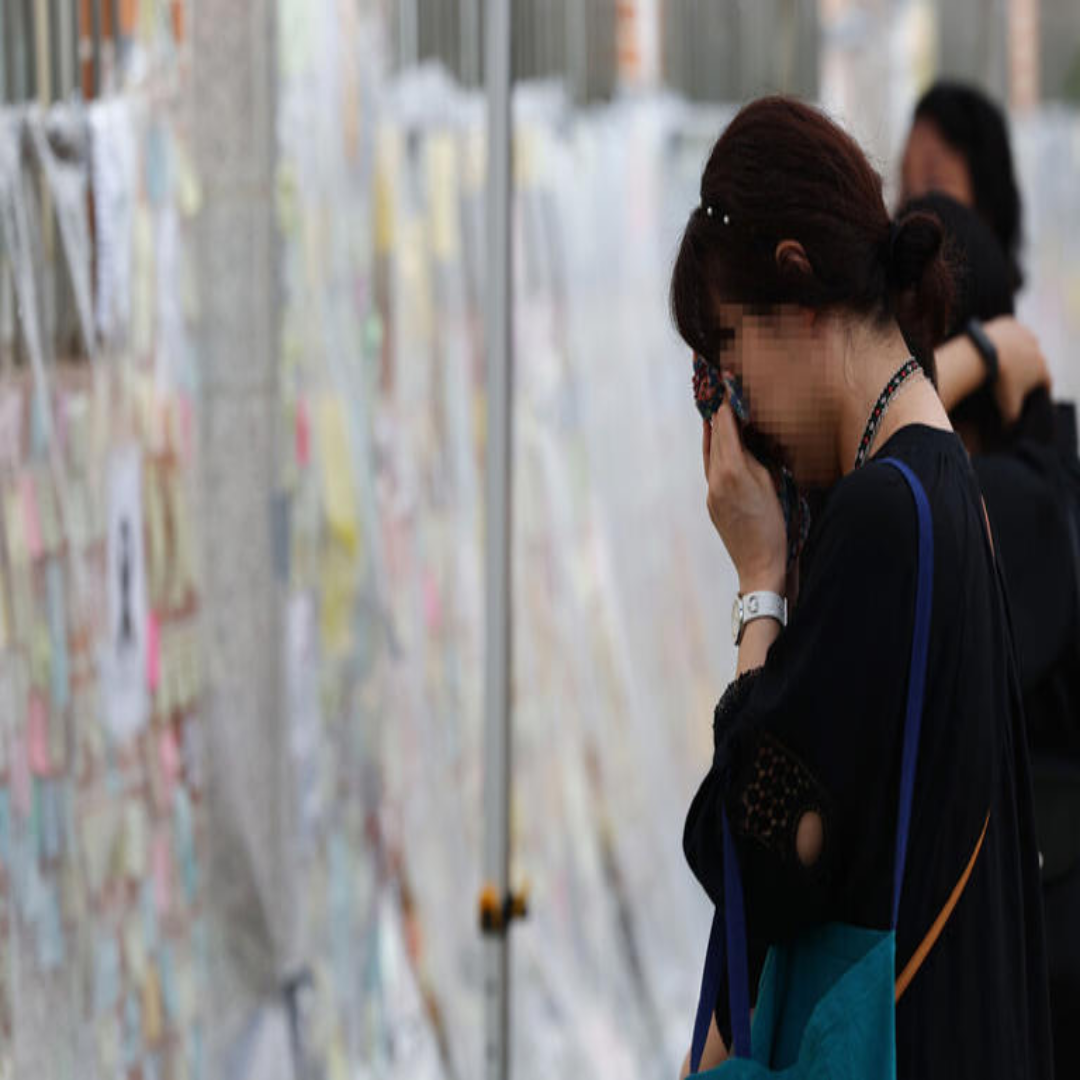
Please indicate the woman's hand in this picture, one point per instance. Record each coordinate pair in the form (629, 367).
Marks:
(744, 506)
(1021, 365)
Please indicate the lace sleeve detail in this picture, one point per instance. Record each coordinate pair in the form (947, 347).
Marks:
(777, 791)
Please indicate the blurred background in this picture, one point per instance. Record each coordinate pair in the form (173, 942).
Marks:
(242, 430)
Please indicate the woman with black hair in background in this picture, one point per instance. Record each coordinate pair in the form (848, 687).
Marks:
(1032, 492)
(959, 145)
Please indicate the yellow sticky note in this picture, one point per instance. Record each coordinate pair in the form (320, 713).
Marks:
(135, 949)
(337, 580)
(387, 170)
(339, 491)
(134, 858)
(442, 181)
(188, 188)
(151, 1007)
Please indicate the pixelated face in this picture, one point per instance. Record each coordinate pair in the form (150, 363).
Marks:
(930, 164)
(777, 356)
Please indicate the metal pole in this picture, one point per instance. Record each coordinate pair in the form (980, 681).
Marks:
(95, 31)
(497, 557)
(470, 42)
(114, 20)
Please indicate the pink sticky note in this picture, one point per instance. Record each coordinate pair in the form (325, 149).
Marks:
(169, 757)
(37, 735)
(162, 867)
(31, 517)
(153, 652)
(20, 777)
(303, 433)
(432, 603)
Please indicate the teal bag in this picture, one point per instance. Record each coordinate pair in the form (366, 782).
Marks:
(826, 1001)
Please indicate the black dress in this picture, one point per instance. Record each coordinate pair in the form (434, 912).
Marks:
(819, 728)
(1032, 496)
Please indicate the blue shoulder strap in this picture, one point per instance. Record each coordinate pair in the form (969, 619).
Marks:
(728, 933)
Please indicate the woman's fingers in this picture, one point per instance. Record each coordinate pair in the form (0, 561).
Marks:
(727, 444)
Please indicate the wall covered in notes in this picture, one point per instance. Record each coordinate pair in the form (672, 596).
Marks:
(102, 950)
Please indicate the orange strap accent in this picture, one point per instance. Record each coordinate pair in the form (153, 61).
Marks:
(989, 531)
(934, 933)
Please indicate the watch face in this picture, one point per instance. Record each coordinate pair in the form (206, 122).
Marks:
(736, 619)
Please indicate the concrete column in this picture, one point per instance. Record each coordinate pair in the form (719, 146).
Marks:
(250, 891)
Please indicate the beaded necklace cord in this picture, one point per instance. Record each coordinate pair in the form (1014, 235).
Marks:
(909, 368)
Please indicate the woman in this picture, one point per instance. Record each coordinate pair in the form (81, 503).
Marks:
(959, 146)
(791, 279)
(1032, 493)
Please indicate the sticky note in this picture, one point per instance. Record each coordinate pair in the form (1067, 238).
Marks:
(59, 681)
(49, 809)
(37, 734)
(168, 983)
(50, 937)
(184, 839)
(339, 489)
(152, 1007)
(48, 513)
(162, 860)
(135, 957)
(303, 433)
(134, 841)
(442, 192)
(106, 973)
(20, 777)
(31, 521)
(11, 428)
(150, 921)
(153, 652)
(107, 1025)
(132, 1029)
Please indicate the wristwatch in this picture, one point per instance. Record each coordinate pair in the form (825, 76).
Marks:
(986, 348)
(756, 605)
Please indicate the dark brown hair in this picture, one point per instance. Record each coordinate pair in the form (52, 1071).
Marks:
(783, 170)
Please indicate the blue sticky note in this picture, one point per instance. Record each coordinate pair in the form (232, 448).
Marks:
(59, 680)
(66, 803)
(195, 1052)
(39, 442)
(50, 820)
(106, 974)
(168, 984)
(149, 915)
(157, 164)
(50, 931)
(185, 844)
(132, 1030)
(37, 831)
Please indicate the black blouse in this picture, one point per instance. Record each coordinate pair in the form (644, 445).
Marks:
(819, 727)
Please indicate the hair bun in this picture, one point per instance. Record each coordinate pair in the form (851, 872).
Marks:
(919, 278)
(915, 241)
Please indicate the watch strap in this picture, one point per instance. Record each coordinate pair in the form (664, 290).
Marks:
(986, 348)
(761, 605)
